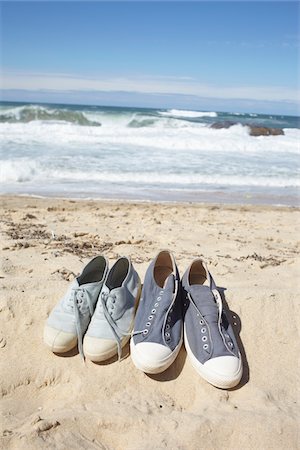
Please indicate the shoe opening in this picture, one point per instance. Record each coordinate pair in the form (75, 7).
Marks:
(163, 268)
(197, 274)
(118, 273)
(93, 272)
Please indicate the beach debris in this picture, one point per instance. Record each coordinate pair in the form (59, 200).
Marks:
(29, 216)
(82, 244)
(52, 208)
(7, 433)
(20, 231)
(45, 425)
(22, 245)
(66, 274)
(266, 260)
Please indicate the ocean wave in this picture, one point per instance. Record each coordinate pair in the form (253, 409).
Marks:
(25, 114)
(163, 137)
(187, 113)
(18, 170)
(22, 171)
(135, 123)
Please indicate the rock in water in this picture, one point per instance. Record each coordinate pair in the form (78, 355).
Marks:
(225, 124)
(256, 130)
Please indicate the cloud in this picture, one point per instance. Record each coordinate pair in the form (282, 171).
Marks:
(145, 85)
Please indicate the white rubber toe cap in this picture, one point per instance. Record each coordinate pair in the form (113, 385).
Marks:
(223, 371)
(151, 357)
(227, 366)
(59, 341)
(97, 349)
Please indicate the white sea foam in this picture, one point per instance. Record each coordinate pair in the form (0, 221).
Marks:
(182, 139)
(187, 113)
(135, 150)
(28, 170)
(18, 170)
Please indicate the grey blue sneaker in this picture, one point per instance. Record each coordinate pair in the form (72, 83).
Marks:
(70, 318)
(208, 336)
(157, 335)
(112, 322)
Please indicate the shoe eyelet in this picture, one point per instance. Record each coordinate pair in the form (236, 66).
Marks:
(161, 292)
(167, 326)
(198, 315)
(153, 311)
(167, 335)
(205, 346)
(150, 317)
(230, 344)
(203, 330)
(169, 319)
(226, 335)
(145, 332)
(156, 305)
(201, 321)
(148, 324)
(204, 338)
(158, 299)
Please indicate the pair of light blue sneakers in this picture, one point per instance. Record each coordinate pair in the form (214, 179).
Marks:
(97, 312)
(100, 305)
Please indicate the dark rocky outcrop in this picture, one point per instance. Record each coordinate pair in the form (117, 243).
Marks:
(254, 130)
(225, 124)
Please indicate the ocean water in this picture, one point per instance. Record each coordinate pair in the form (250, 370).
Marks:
(146, 154)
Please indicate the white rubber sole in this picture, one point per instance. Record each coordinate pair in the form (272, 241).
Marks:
(217, 380)
(152, 367)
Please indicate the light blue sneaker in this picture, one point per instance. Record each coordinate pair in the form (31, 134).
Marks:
(208, 336)
(157, 335)
(112, 322)
(70, 318)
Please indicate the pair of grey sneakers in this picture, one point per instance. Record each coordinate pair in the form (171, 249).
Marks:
(97, 312)
(172, 310)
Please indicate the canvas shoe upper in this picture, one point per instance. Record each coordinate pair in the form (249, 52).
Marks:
(113, 318)
(208, 336)
(70, 318)
(157, 335)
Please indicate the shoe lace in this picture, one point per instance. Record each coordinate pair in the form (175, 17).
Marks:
(80, 301)
(219, 305)
(116, 330)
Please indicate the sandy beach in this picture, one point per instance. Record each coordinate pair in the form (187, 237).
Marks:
(58, 402)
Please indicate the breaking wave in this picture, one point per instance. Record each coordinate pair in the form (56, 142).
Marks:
(25, 114)
(26, 170)
(186, 113)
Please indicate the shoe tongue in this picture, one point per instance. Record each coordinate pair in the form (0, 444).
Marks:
(75, 284)
(205, 302)
(169, 284)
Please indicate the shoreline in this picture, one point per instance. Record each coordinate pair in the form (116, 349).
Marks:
(205, 198)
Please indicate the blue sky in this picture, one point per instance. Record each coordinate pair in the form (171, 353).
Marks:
(241, 56)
